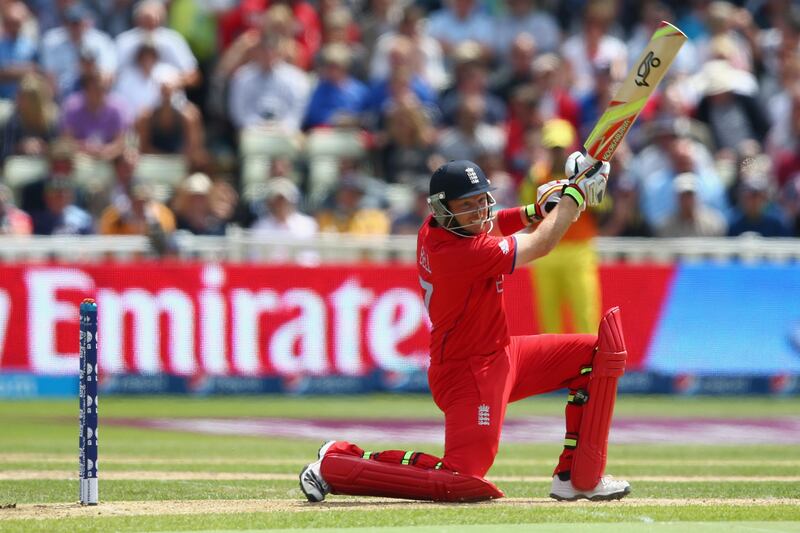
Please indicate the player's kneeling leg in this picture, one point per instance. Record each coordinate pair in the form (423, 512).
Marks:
(397, 474)
(608, 365)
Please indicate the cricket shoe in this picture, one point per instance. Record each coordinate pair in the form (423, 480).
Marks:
(607, 489)
(311, 482)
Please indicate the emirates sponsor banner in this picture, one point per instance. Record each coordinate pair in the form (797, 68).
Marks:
(199, 319)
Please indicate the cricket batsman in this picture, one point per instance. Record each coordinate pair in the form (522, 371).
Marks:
(476, 368)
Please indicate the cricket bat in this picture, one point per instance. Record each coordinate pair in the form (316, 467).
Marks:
(632, 95)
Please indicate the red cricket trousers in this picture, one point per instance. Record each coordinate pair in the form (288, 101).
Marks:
(473, 394)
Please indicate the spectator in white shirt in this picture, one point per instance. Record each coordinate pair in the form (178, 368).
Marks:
(268, 90)
(139, 84)
(459, 21)
(282, 220)
(593, 44)
(172, 48)
(62, 46)
(524, 17)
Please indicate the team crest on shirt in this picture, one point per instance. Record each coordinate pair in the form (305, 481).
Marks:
(483, 415)
(503, 246)
(472, 175)
(423, 260)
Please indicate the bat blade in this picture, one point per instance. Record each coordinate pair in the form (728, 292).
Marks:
(632, 95)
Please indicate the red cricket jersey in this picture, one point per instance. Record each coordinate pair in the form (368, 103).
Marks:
(462, 282)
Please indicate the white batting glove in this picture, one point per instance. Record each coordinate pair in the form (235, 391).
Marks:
(547, 197)
(587, 181)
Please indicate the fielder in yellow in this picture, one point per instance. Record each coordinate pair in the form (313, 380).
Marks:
(568, 276)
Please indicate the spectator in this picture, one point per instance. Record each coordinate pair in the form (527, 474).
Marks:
(523, 125)
(380, 17)
(460, 21)
(516, 71)
(173, 127)
(524, 16)
(60, 215)
(149, 15)
(595, 102)
(192, 206)
(754, 214)
(692, 218)
(337, 26)
(112, 17)
(34, 122)
(139, 84)
(652, 13)
(409, 222)
(401, 81)
(338, 99)
(349, 215)
(427, 57)
(139, 215)
(61, 49)
(593, 43)
(734, 118)
(268, 90)
(733, 26)
(13, 221)
(95, 120)
(471, 137)
(59, 155)
(284, 221)
(471, 79)
(407, 147)
(552, 85)
(624, 217)
(17, 51)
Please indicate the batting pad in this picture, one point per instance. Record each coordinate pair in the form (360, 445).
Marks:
(608, 366)
(356, 476)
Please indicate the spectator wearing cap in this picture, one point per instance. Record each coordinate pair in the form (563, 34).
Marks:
(568, 277)
(60, 215)
(95, 120)
(427, 56)
(194, 209)
(471, 79)
(268, 90)
(139, 215)
(734, 118)
(139, 84)
(62, 47)
(338, 99)
(754, 213)
(149, 16)
(593, 43)
(692, 218)
(34, 123)
(282, 216)
(550, 75)
(338, 27)
(17, 51)
(471, 136)
(348, 213)
(524, 16)
(13, 221)
(459, 21)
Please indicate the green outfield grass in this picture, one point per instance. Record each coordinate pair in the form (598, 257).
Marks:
(173, 481)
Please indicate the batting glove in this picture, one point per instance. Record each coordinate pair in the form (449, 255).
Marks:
(587, 182)
(547, 197)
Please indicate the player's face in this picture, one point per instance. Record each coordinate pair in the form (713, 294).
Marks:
(471, 212)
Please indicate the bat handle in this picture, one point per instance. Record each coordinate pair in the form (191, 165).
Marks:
(591, 165)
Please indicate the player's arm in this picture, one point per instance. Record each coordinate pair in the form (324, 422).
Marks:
(584, 187)
(514, 219)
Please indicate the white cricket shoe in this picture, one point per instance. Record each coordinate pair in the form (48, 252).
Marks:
(311, 482)
(607, 489)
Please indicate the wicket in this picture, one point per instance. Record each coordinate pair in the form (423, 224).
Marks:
(87, 392)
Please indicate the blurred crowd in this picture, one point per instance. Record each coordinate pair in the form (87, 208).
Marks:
(513, 85)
